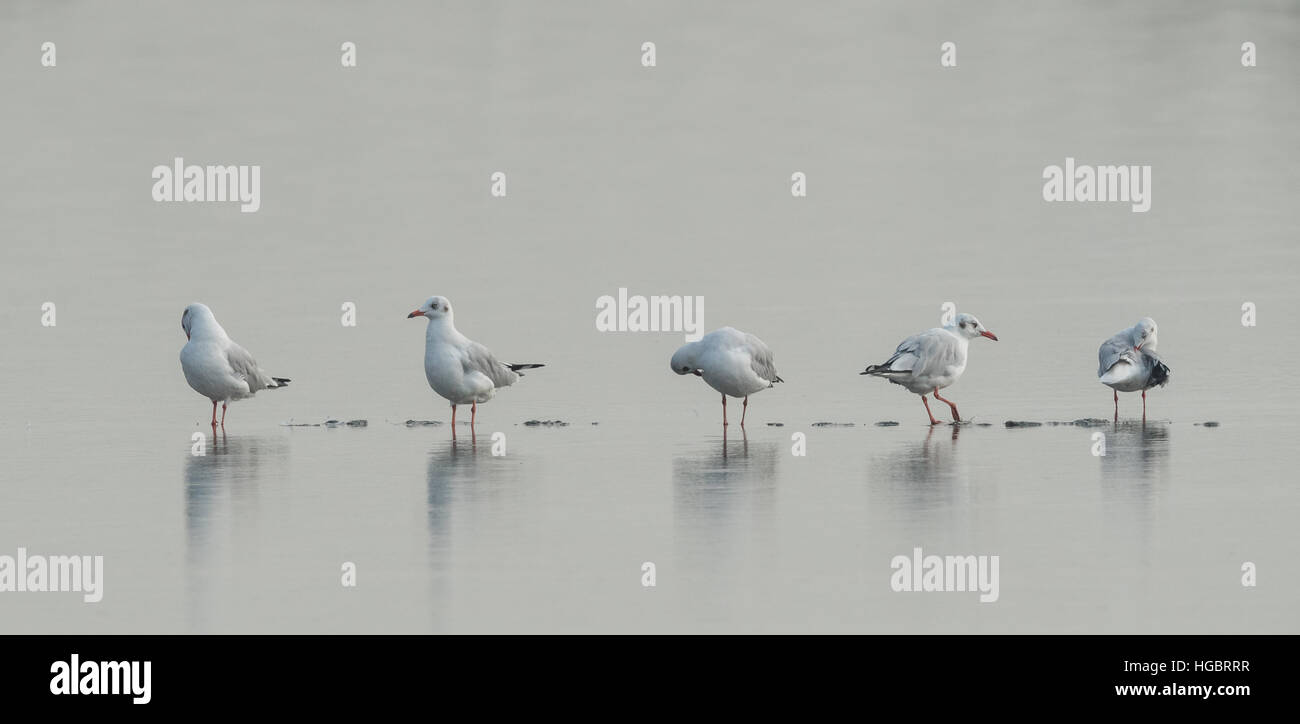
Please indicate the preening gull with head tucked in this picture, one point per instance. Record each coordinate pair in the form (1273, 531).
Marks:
(732, 362)
(215, 366)
(932, 360)
(1127, 362)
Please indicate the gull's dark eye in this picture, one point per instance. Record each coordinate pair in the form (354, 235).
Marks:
(686, 369)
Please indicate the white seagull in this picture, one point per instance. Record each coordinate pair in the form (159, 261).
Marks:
(215, 366)
(1128, 362)
(930, 361)
(458, 368)
(730, 361)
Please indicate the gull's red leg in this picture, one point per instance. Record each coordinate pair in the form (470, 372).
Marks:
(453, 422)
(927, 411)
(1116, 405)
(214, 413)
(955, 416)
(724, 410)
(223, 413)
(743, 409)
(473, 413)
(1144, 405)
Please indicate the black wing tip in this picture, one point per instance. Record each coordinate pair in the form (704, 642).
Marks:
(884, 371)
(517, 368)
(1160, 375)
(281, 381)
(777, 379)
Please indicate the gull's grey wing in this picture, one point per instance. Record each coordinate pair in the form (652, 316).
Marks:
(762, 360)
(1113, 351)
(246, 367)
(903, 359)
(923, 353)
(480, 359)
(935, 351)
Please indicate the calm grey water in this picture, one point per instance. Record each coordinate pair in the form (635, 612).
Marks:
(924, 187)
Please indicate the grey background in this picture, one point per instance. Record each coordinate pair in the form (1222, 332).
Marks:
(924, 187)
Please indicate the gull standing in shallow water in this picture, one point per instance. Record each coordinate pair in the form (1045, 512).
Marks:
(458, 368)
(1128, 362)
(930, 361)
(730, 361)
(215, 366)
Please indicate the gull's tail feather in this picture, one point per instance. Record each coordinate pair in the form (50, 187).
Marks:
(1159, 375)
(524, 366)
(882, 370)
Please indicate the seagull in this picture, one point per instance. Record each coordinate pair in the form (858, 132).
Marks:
(458, 368)
(1128, 362)
(930, 361)
(215, 366)
(730, 361)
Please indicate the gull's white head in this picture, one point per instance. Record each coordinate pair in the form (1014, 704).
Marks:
(966, 325)
(433, 308)
(197, 319)
(1144, 334)
(683, 361)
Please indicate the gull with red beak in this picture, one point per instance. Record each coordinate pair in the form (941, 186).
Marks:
(458, 368)
(215, 366)
(932, 360)
(1127, 362)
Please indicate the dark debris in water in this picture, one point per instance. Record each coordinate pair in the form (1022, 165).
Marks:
(422, 423)
(887, 423)
(1211, 423)
(832, 424)
(546, 423)
(776, 424)
(984, 424)
(327, 423)
(1023, 423)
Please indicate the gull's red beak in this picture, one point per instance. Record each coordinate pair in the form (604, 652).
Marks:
(989, 334)
(698, 373)
(416, 313)
(1137, 348)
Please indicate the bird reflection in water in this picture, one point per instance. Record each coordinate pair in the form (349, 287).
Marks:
(463, 482)
(724, 492)
(452, 469)
(921, 479)
(1133, 472)
(222, 486)
(1136, 462)
(462, 474)
(726, 463)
